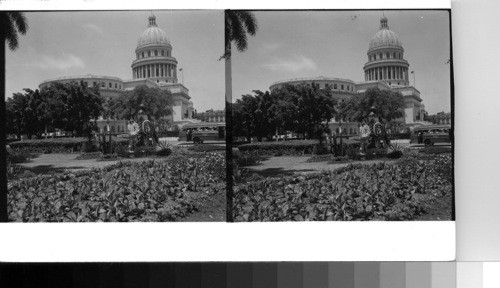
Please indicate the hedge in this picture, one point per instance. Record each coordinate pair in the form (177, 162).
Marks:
(57, 145)
(206, 148)
(294, 147)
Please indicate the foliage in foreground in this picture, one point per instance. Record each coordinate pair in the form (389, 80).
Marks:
(380, 191)
(59, 145)
(278, 148)
(125, 191)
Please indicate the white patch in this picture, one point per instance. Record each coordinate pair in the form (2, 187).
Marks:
(92, 28)
(63, 62)
(297, 63)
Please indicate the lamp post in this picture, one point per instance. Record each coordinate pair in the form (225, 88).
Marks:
(182, 75)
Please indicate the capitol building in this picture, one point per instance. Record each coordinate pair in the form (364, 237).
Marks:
(385, 69)
(153, 66)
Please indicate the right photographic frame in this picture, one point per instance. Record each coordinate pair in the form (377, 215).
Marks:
(340, 115)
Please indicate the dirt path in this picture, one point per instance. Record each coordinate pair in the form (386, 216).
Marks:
(55, 162)
(288, 165)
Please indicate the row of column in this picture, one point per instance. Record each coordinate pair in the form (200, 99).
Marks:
(155, 70)
(215, 119)
(387, 73)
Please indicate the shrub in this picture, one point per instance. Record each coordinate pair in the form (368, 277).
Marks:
(278, 148)
(395, 154)
(18, 156)
(121, 149)
(126, 191)
(246, 159)
(353, 153)
(320, 158)
(57, 145)
(108, 157)
(144, 151)
(206, 148)
(320, 149)
(91, 155)
(435, 150)
(89, 146)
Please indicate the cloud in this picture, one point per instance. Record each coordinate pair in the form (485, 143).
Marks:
(92, 28)
(296, 63)
(270, 47)
(62, 63)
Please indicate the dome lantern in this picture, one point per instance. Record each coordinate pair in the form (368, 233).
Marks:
(383, 23)
(152, 21)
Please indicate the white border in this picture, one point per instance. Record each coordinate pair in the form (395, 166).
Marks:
(307, 241)
(288, 241)
(30, 5)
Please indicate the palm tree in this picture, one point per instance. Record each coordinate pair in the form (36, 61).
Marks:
(236, 26)
(12, 23)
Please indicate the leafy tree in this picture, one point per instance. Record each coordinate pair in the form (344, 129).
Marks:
(253, 116)
(72, 105)
(26, 114)
(11, 24)
(386, 104)
(157, 103)
(236, 26)
(304, 109)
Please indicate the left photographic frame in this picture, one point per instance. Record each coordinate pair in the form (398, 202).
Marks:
(116, 116)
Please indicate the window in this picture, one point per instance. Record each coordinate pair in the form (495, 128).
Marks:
(149, 53)
(387, 55)
(142, 54)
(162, 52)
(156, 52)
(394, 55)
(116, 86)
(110, 85)
(335, 86)
(342, 87)
(103, 84)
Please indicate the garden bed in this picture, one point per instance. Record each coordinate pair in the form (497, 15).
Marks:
(58, 145)
(126, 191)
(401, 191)
(278, 148)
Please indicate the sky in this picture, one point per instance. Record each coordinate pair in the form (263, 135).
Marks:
(295, 44)
(103, 43)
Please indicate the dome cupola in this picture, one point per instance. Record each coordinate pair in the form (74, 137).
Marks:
(385, 58)
(153, 35)
(384, 37)
(154, 58)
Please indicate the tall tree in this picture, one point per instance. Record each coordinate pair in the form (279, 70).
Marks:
(386, 105)
(305, 108)
(157, 103)
(71, 106)
(236, 26)
(11, 24)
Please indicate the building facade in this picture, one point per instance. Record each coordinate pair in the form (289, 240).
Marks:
(439, 118)
(385, 69)
(211, 115)
(153, 66)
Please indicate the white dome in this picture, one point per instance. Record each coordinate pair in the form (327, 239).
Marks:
(384, 37)
(153, 35)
